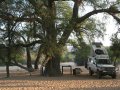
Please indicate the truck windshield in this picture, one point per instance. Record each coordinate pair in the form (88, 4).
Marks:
(103, 61)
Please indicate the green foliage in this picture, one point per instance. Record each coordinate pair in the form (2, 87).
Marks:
(3, 54)
(115, 47)
(113, 8)
(82, 55)
(91, 27)
(1, 63)
(63, 10)
(20, 58)
(63, 15)
(81, 51)
(67, 57)
(16, 54)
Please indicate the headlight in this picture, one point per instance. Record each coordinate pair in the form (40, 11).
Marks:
(117, 69)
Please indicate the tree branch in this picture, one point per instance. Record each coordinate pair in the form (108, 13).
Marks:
(71, 24)
(23, 18)
(2, 1)
(2, 30)
(116, 18)
(32, 2)
(29, 44)
(19, 19)
(79, 20)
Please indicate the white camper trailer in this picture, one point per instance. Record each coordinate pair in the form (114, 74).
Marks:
(99, 62)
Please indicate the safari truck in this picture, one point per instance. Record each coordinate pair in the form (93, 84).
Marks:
(99, 61)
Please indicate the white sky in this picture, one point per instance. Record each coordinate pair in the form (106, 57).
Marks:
(111, 28)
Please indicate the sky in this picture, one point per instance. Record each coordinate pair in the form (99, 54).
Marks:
(111, 28)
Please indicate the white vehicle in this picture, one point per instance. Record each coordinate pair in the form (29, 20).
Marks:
(99, 62)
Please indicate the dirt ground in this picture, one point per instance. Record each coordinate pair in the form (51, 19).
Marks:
(21, 80)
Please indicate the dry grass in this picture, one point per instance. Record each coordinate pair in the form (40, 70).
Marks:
(20, 80)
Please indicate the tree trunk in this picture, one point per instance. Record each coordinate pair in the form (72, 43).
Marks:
(37, 59)
(8, 62)
(52, 67)
(7, 69)
(36, 62)
(29, 63)
(8, 50)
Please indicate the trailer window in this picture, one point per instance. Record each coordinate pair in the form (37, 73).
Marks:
(99, 52)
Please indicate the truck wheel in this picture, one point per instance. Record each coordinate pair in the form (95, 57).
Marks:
(114, 76)
(99, 74)
(85, 64)
(90, 72)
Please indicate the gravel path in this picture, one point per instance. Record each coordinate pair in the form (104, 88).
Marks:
(66, 82)
(20, 80)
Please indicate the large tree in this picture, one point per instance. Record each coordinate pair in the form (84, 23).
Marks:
(54, 29)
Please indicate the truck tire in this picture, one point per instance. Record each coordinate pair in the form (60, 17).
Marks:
(85, 64)
(114, 76)
(99, 74)
(90, 72)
